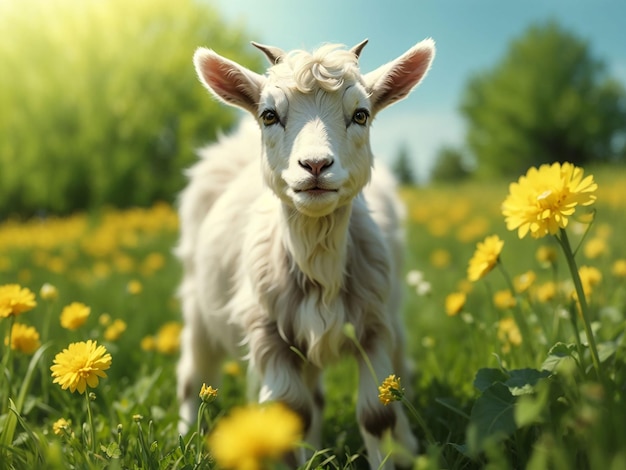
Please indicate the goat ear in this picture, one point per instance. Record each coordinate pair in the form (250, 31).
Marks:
(273, 54)
(395, 80)
(228, 81)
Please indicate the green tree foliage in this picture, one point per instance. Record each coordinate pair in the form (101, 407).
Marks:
(99, 102)
(450, 165)
(547, 100)
(402, 168)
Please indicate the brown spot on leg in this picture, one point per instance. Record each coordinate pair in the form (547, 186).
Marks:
(318, 398)
(377, 420)
(304, 411)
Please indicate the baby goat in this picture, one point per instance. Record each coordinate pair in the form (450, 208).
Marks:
(284, 242)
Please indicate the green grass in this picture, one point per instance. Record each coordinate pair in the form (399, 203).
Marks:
(485, 401)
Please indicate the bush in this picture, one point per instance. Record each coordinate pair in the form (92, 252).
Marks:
(104, 106)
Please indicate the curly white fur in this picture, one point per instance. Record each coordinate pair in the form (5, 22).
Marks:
(283, 240)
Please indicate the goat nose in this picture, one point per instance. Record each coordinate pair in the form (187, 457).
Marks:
(315, 166)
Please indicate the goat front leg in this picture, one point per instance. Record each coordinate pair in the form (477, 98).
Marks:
(285, 378)
(376, 419)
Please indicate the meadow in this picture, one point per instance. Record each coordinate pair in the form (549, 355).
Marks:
(509, 371)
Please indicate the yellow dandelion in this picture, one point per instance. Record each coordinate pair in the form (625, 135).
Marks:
(440, 258)
(61, 426)
(390, 390)
(485, 258)
(546, 292)
(523, 282)
(148, 343)
(250, 437)
(546, 255)
(504, 299)
(595, 248)
(104, 319)
(208, 394)
(15, 300)
(509, 333)
(589, 278)
(454, 303)
(74, 315)
(134, 287)
(48, 292)
(541, 201)
(24, 338)
(152, 263)
(619, 268)
(115, 330)
(232, 368)
(80, 366)
(167, 340)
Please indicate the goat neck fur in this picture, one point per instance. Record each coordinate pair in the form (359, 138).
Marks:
(283, 240)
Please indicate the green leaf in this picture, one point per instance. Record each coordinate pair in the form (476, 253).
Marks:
(606, 350)
(492, 416)
(523, 381)
(557, 354)
(112, 450)
(530, 408)
(486, 377)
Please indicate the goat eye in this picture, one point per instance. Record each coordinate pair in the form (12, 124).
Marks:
(360, 116)
(269, 117)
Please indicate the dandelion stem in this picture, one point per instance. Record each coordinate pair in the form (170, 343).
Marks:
(201, 410)
(92, 433)
(420, 420)
(349, 332)
(7, 366)
(582, 300)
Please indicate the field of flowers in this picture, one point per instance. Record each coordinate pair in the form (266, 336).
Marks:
(515, 324)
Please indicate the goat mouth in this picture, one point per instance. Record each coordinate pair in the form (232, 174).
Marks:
(314, 191)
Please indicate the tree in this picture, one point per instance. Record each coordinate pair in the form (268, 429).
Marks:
(547, 100)
(402, 168)
(450, 165)
(99, 102)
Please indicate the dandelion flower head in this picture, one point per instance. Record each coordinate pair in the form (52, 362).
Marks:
(24, 338)
(390, 390)
(253, 435)
(80, 365)
(454, 303)
(61, 426)
(541, 201)
(74, 315)
(208, 394)
(485, 258)
(15, 300)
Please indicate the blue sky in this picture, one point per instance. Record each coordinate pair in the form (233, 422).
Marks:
(470, 35)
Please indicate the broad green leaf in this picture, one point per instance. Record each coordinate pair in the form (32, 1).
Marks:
(486, 377)
(493, 415)
(606, 350)
(557, 353)
(523, 381)
(530, 408)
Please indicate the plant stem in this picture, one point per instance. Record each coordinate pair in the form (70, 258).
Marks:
(199, 431)
(582, 301)
(420, 420)
(92, 433)
(7, 366)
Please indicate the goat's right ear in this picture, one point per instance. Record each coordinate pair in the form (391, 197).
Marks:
(394, 81)
(228, 81)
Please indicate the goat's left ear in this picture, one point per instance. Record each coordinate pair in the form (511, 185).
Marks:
(394, 81)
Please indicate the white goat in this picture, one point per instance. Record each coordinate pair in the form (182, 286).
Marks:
(280, 253)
